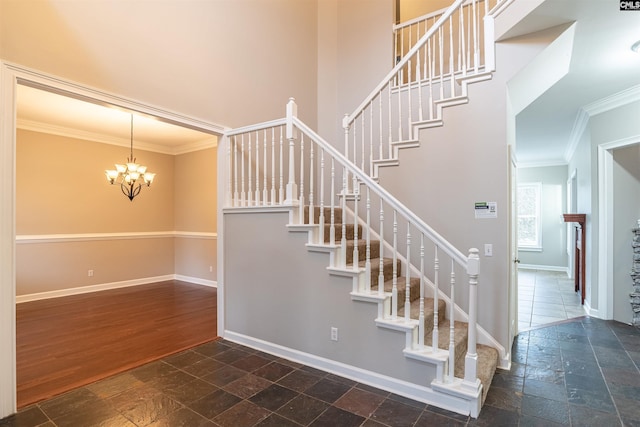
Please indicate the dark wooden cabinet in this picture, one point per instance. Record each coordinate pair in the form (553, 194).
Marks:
(579, 250)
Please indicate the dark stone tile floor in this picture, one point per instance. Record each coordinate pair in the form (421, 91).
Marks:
(582, 372)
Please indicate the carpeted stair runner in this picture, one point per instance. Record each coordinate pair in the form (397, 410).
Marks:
(487, 356)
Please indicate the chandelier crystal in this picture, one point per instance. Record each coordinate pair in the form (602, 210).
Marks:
(131, 175)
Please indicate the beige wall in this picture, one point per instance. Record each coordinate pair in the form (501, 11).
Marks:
(195, 210)
(62, 194)
(232, 62)
(410, 9)
(195, 186)
(61, 188)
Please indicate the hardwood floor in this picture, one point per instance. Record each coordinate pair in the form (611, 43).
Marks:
(68, 342)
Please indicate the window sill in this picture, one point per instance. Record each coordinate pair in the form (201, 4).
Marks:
(529, 249)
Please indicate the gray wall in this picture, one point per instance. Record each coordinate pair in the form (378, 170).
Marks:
(553, 202)
(626, 211)
(283, 294)
(617, 124)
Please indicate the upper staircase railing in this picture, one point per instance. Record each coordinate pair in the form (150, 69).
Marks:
(285, 163)
(452, 48)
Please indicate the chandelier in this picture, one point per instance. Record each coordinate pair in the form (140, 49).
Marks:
(131, 175)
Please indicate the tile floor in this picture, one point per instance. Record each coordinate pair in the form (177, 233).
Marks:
(579, 372)
(546, 297)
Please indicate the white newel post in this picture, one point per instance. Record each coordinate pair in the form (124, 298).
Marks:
(291, 134)
(471, 360)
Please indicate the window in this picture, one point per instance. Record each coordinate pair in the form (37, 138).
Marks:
(529, 228)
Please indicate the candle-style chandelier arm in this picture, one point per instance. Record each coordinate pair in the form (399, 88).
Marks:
(130, 174)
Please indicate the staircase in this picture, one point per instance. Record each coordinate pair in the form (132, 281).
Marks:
(394, 260)
(487, 356)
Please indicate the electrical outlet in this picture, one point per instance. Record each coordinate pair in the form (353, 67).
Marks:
(334, 334)
(90, 273)
(488, 249)
(211, 269)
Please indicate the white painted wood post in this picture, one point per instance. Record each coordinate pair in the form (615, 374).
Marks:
(291, 135)
(471, 359)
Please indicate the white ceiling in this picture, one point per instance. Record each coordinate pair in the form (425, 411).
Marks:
(602, 64)
(45, 111)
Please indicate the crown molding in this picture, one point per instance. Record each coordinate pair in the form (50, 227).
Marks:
(542, 164)
(111, 140)
(616, 100)
(579, 126)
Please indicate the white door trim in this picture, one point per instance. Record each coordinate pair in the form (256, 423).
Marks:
(605, 228)
(10, 76)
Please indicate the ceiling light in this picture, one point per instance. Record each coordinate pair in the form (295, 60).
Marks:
(636, 47)
(131, 174)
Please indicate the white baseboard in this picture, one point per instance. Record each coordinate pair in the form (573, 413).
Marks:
(544, 268)
(107, 286)
(196, 280)
(374, 379)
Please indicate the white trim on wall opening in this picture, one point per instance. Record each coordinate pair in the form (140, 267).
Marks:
(605, 229)
(10, 76)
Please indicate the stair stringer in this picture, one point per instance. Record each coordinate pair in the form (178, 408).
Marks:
(471, 397)
(483, 337)
(416, 126)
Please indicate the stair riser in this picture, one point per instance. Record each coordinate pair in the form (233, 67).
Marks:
(327, 215)
(350, 232)
(374, 248)
(387, 271)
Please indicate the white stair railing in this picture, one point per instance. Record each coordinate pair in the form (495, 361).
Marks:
(452, 48)
(414, 243)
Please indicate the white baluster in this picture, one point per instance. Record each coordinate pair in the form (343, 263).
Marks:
(400, 138)
(228, 202)
(257, 196)
(421, 330)
(249, 166)
(476, 43)
(362, 145)
(436, 295)
(356, 253)
(312, 216)
(419, 80)
(273, 166)
(332, 227)
(281, 185)
(243, 194)
(410, 106)
(321, 218)
(452, 338)
(367, 264)
(390, 126)
(380, 126)
(301, 197)
(431, 67)
(265, 194)
(343, 239)
(407, 289)
(394, 289)
(371, 140)
(452, 80)
(345, 127)
(471, 359)
(441, 58)
(381, 258)
(463, 46)
(236, 197)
